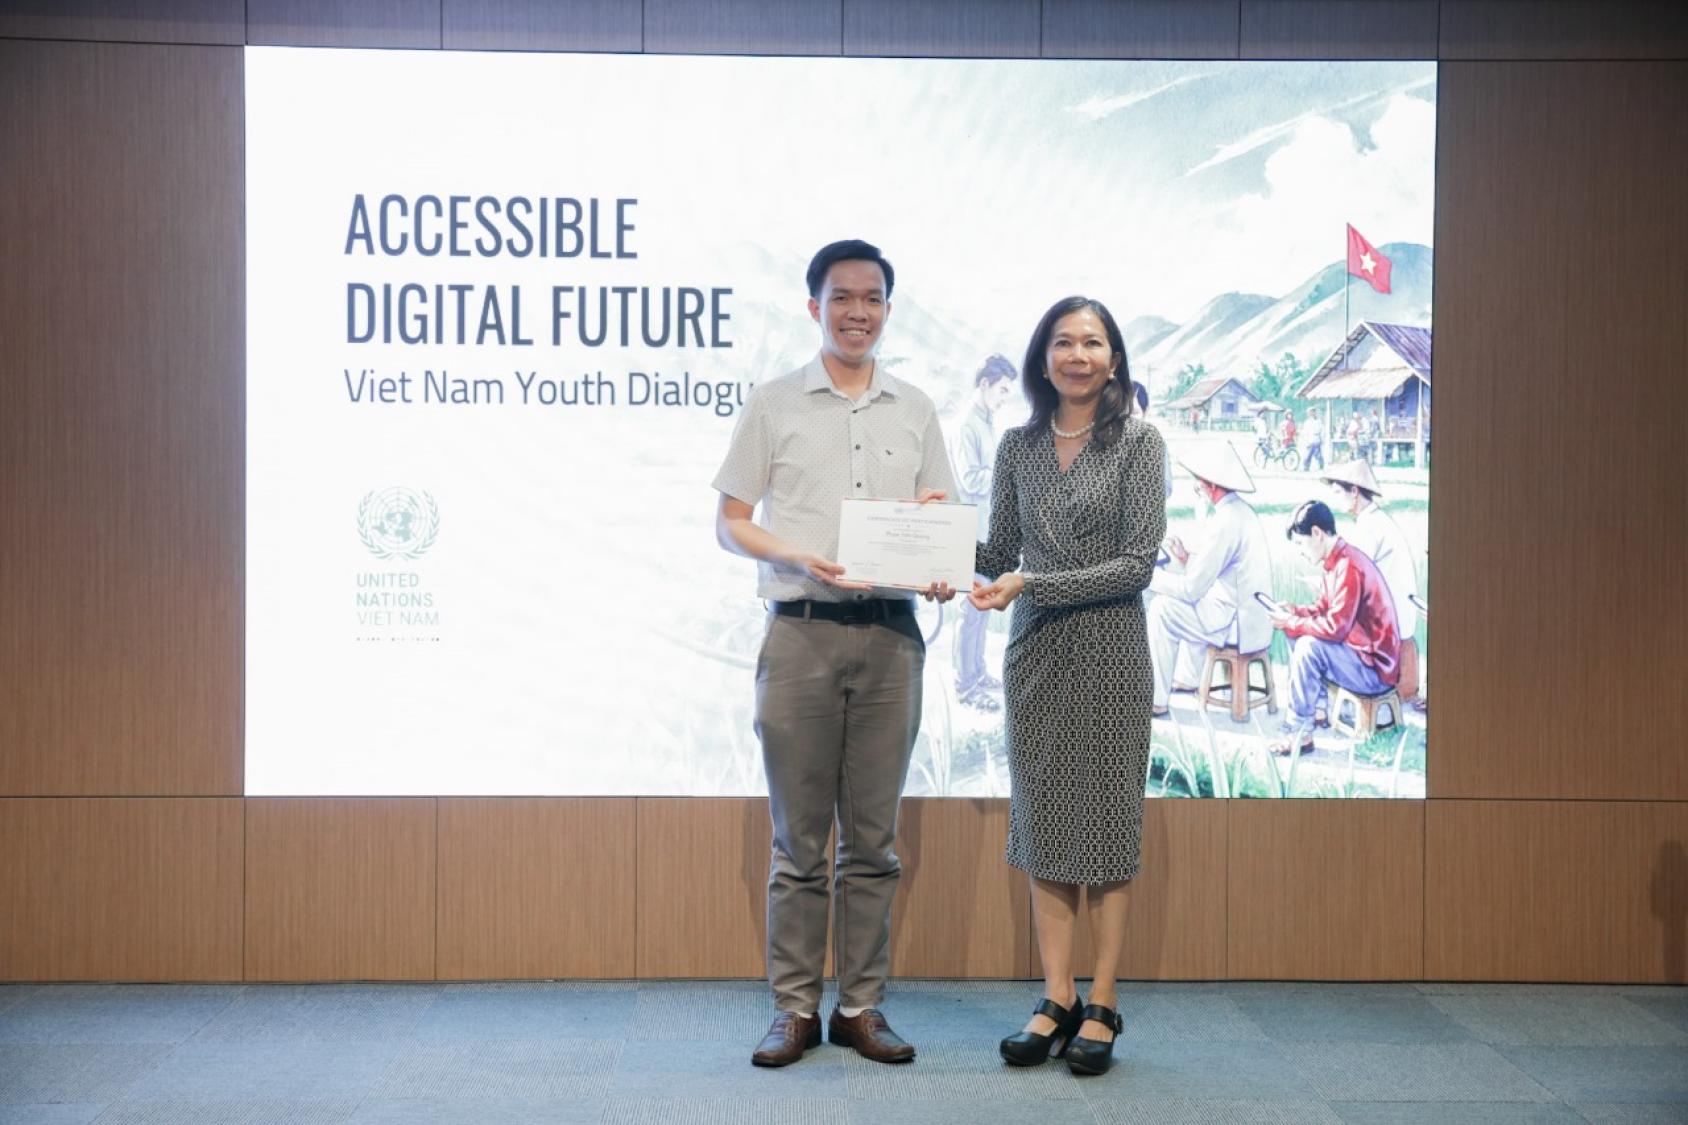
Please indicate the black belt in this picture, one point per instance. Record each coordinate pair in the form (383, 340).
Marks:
(848, 613)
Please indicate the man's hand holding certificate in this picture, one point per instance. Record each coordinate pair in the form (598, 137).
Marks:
(907, 544)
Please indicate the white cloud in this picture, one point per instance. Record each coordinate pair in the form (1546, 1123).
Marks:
(1097, 108)
(1320, 179)
(1270, 133)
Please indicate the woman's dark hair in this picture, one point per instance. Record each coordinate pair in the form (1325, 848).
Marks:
(1314, 513)
(849, 250)
(1115, 406)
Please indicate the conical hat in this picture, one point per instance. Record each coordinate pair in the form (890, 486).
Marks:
(1357, 473)
(1217, 463)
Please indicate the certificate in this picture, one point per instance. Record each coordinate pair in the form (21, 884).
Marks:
(901, 543)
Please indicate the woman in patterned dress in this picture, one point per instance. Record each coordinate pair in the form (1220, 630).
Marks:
(1078, 506)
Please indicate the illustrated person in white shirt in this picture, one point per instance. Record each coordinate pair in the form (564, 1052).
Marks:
(1378, 536)
(1211, 601)
(974, 456)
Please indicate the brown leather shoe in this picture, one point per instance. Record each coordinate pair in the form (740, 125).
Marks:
(870, 1035)
(788, 1037)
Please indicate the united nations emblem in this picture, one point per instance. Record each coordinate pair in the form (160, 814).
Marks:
(398, 523)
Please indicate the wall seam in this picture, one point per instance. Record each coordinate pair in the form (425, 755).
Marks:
(437, 888)
(1225, 945)
(1424, 890)
(638, 812)
(245, 884)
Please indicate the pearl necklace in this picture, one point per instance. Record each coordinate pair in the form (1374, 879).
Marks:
(1059, 432)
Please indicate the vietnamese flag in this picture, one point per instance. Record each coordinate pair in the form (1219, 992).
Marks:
(1366, 261)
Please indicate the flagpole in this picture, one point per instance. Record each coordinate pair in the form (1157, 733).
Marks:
(1347, 283)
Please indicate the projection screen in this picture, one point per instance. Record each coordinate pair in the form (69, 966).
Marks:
(504, 310)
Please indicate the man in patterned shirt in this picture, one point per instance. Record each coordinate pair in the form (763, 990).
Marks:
(838, 678)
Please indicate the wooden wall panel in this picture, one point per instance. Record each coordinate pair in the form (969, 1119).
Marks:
(1176, 926)
(541, 25)
(1140, 29)
(703, 885)
(1556, 891)
(745, 27)
(960, 910)
(340, 888)
(1003, 29)
(536, 887)
(1339, 29)
(1557, 528)
(143, 889)
(126, 21)
(1326, 890)
(121, 419)
(1559, 501)
(1564, 29)
(344, 23)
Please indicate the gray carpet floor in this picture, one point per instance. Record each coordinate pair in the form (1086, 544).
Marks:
(675, 1053)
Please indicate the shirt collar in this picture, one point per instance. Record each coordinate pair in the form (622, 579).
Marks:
(1337, 553)
(815, 378)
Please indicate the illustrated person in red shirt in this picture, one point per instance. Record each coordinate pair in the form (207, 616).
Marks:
(1349, 637)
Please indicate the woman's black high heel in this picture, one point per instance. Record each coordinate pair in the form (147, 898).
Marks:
(1093, 1056)
(1028, 1048)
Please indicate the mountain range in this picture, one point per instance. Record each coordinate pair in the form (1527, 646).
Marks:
(1232, 334)
(1235, 332)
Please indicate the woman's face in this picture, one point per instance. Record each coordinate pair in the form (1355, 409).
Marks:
(1079, 360)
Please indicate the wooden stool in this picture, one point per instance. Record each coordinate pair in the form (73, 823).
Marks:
(1237, 666)
(1364, 723)
(1408, 687)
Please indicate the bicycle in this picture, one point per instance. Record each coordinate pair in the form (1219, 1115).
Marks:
(1284, 457)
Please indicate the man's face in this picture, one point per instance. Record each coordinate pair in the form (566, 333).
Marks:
(1311, 545)
(996, 394)
(851, 310)
(1347, 499)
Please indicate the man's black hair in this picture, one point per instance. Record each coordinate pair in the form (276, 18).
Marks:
(1314, 513)
(849, 250)
(996, 369)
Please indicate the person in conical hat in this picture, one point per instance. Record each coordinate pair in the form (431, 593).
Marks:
(1217, 464)
(1356, 473)
(1211, 600)
(1377, 536)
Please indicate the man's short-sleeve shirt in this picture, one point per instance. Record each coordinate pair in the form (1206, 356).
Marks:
(801, 446)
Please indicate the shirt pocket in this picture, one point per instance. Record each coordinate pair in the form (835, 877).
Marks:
(896, 471)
